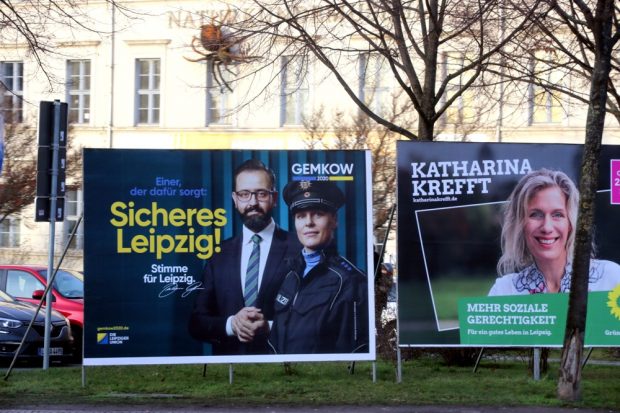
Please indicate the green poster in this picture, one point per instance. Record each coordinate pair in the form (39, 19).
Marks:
(603, 319)
(536, 319)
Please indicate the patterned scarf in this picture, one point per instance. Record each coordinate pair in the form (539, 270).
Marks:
(530, 278)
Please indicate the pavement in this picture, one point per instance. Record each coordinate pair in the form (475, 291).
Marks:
(297, 409)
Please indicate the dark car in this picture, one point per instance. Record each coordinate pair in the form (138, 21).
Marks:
(15, 316)
(27, 283)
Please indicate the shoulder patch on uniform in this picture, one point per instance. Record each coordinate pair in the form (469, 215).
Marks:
(344, 264)
(282, 299)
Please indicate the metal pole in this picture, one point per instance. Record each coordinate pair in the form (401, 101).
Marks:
(52, 237)
(385, 239)
(352, 367)
(536, 363)
(478, 359)
(112, 68)
(502, 36)
(399, 371)
(399, 366)
(230, 374)
(587, 357)
(374, 371)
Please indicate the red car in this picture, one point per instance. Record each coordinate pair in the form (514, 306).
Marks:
(27, 283)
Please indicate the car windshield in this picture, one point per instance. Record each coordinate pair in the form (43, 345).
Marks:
(68, 284)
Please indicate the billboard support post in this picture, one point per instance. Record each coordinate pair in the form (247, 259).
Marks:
(585, 361)
(399, 366)
(478, 359)
(374, 371)
(536, 363)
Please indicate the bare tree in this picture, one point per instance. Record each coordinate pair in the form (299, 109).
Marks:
(19, 170)
(358, 131)
(26, 23)
(411, 37)
(558, 57)
(596, 27)
(18, 179)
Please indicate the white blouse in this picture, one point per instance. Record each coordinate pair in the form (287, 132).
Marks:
(604, 276)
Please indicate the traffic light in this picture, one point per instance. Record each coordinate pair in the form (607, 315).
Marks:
(51, 160)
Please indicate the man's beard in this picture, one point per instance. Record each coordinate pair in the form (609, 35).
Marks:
(256, 222)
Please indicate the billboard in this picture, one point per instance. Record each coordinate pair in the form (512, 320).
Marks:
(195, 256)
(484, 227)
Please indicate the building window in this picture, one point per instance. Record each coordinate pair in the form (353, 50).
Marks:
(373, 89)
(148, 74)
(9, 232)
(78, 90)
(544, 104)
(218, 94)
(294, 91)
(73, 211)
(462, 110)
(12, 77)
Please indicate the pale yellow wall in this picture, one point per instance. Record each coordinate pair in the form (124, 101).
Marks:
(164, 29)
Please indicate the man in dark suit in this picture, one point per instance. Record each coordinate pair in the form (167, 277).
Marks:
(235, 306)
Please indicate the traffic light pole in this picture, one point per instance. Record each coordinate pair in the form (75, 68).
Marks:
(52, 235)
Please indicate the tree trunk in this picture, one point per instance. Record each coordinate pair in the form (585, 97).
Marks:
(569, 383)
(425, 129)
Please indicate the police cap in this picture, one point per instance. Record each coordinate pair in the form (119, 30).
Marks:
(324, 195)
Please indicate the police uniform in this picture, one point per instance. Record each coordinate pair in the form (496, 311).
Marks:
(325, 310)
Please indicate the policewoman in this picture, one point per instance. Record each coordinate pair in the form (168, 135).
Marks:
(322, 305)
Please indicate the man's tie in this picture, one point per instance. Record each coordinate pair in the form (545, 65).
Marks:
(251, 277)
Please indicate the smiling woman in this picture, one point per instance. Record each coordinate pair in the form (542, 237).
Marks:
(538, 239)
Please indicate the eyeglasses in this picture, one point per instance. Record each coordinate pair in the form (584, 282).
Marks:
(261, 195)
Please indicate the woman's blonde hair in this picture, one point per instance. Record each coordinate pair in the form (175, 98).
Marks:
(515, 255)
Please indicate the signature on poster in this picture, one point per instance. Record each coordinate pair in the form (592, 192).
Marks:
(172, 288)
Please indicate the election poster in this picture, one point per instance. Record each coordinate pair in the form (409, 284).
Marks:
(196, 256)
(485, 241)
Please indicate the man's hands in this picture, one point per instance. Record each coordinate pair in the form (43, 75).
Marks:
(248, 323)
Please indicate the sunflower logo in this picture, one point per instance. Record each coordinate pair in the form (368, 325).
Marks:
(613, 302)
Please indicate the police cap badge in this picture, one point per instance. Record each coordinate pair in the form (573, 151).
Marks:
(324, 195)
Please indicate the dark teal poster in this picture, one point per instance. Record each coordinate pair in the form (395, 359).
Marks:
(169, 265)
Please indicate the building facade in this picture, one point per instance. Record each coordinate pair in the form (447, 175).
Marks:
(137, 76)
